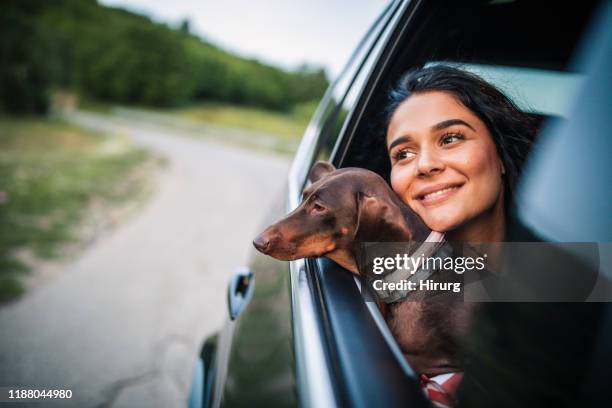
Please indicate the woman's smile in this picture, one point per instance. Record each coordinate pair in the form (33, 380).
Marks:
(437, 194)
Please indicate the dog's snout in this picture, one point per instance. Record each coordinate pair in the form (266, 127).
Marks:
(262, 243)
(266, 240)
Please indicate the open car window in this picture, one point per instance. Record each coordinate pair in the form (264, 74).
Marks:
(531, 65)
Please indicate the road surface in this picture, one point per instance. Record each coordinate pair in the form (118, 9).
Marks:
(122, 324)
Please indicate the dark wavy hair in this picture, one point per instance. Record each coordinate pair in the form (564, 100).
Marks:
(512, 130)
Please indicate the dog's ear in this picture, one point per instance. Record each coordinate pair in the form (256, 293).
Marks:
(378, 219)
(371, 210)
(319, 169)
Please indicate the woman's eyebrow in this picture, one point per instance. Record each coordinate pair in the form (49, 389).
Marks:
(450, 122)
(399, 140)
(438, 126)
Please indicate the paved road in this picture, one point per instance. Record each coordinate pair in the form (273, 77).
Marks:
(122, 324)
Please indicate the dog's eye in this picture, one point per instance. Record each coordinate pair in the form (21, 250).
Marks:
(318, 207)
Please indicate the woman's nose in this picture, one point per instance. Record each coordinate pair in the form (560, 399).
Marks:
(428, 163)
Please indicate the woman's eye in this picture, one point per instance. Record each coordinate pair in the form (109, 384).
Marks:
(451, 138)
(402, 155)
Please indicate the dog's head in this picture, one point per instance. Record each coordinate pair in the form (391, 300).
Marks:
(339, 208)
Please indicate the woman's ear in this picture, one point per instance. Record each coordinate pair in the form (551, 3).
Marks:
(319, 169)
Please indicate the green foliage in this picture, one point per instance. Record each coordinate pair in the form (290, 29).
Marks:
(24, 49)
(49, 173)
(118, 56)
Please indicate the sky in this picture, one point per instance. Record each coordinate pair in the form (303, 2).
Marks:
(285, 33)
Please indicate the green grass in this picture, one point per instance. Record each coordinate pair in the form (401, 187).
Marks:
(282, 130)
(49, 172)
(288, 126)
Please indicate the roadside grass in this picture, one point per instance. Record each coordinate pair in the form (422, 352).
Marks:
(286, 126)
(250, 127)
(50, 172)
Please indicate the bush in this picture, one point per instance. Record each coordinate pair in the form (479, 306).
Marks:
(122, 57)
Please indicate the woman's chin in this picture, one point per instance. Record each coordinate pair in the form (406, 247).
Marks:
(442, 223)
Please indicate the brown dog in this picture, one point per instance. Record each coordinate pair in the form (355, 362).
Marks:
(341, 209)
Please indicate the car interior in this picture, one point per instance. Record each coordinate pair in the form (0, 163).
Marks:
(485, 38)
(512, 44)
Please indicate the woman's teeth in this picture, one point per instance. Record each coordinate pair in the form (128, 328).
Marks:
(437, 193)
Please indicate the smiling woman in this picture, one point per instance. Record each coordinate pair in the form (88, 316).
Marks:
(456, 146)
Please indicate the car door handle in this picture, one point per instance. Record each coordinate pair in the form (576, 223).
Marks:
(239, 291)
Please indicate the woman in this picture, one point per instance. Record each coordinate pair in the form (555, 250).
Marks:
(456, 146)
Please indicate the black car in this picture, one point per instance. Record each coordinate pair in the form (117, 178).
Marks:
(300, 333)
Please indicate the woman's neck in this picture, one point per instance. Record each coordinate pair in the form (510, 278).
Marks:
(490, 226)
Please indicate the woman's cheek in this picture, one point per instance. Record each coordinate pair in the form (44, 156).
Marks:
(464, 161)
(482, 159)
(394, 181)
(484, 169)
(400, 182)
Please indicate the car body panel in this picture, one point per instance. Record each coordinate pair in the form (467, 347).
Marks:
(257, 365)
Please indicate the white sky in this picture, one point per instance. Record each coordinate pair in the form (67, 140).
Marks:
(281, 32)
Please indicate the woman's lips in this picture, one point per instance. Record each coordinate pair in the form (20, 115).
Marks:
(434, 196)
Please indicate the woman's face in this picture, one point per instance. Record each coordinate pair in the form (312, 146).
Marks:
(444, 163)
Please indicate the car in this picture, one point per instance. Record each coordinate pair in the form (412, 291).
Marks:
(300, 332)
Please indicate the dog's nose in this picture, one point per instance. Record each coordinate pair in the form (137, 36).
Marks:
(262, 243)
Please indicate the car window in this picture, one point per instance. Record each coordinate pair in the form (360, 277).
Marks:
(531, 66)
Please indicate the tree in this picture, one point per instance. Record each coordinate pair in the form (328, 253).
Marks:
(185, 26)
